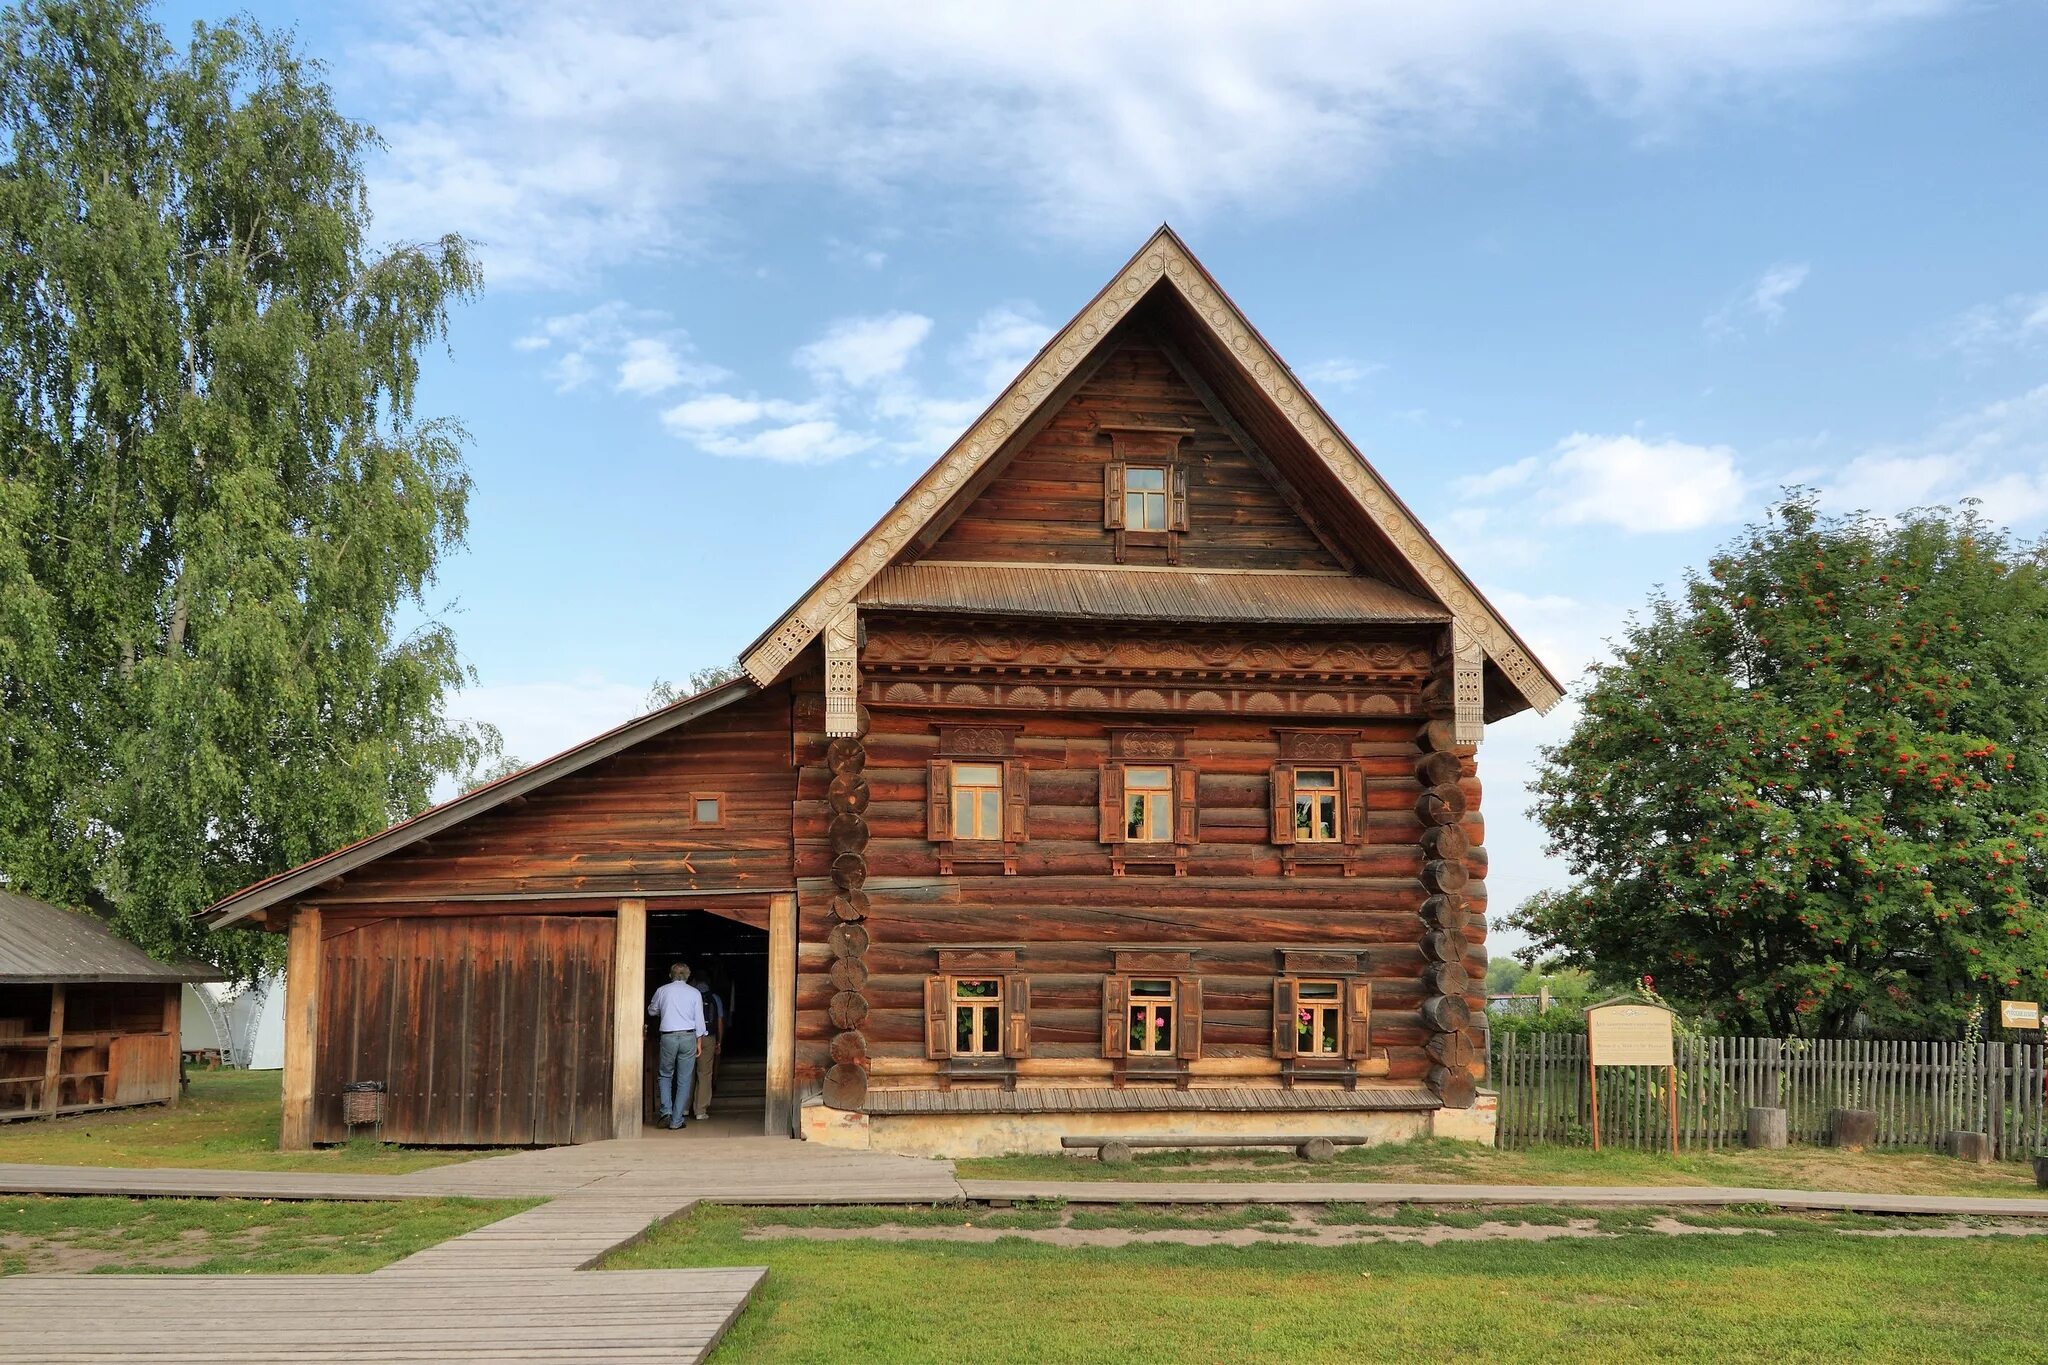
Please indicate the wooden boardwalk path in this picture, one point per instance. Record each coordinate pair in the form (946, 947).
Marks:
(655, 1315)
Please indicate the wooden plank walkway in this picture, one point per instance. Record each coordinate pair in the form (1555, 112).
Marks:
(570, 1233)
(1388, 1192)
(655, 1315)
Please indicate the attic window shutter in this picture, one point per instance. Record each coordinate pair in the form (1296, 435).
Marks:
(1358, 1020)
(938, 1035)
(1111, 802)
(1017, 1016)
(1113, 495)
(1285, 1007)
(1116, 1007)
(1354, 803)
(1189, 1044)
(939, 803)
(1016, 801)
(1187, 817)
(1177, 515)
(1283, 804)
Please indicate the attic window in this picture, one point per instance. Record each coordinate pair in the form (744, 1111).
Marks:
(707, 810)
(1145, 497)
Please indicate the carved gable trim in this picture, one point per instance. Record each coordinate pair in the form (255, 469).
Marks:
(1163, 262)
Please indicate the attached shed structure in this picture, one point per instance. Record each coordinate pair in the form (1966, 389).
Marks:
(87, 1020)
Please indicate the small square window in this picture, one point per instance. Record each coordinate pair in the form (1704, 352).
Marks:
(1151, 1022)
(1145, 498)
(1316, 818)
(977, 801)
(707, 810)
(1148, 805)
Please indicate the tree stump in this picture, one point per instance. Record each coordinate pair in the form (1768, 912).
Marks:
(1964, 1145)
(1317, 1149)
(1766, 1129)
(1852, 1129)
(1114, 1154)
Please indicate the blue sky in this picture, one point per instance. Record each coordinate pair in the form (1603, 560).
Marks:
(1587, 280)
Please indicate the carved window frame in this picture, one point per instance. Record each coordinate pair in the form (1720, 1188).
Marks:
(983, 743)
(1349, 971)
(1014, 994)
(1149, 746)
(1317, 750)
(1184, 1002)
(1145, 447)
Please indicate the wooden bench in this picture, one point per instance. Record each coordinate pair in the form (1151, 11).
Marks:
(1117, 1151)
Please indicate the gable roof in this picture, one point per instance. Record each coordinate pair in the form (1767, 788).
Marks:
(306, 876)
(40, 943)
(1163, 263)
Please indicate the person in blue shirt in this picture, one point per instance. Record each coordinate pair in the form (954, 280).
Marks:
(680, 1009)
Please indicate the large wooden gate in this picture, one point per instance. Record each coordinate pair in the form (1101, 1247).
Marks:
(485, 1030)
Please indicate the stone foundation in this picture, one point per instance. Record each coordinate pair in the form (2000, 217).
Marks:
(965, 1135)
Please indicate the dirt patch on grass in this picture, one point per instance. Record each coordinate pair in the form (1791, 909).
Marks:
(1321, 1225)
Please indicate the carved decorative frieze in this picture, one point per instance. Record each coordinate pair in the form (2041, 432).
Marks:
(1335, 703)
(977, 741)
(1328, 745)
(1221, 653)
(1147, 742)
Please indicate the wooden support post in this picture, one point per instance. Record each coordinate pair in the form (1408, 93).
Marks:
(1593, 1090)
(174, 1025)
(629, 1015)
(301, 1028)
(780, 1117)
(1671, 1103)
(53, 1058)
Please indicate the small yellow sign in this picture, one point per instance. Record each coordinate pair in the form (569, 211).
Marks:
(1624, 1034)
(2019, 1013)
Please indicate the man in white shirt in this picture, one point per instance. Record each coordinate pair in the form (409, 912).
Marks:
(680, 1009)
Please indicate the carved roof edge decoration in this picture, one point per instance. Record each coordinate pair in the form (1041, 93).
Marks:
(1163, 259)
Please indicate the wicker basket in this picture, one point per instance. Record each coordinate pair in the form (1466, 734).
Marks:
(362, 1102)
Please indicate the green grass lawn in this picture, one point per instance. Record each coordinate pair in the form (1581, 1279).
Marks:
(1445, 1162)
(229, 1236)
(1793, 1295)
(227, 1121)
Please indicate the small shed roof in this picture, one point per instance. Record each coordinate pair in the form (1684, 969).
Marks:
(41, 943)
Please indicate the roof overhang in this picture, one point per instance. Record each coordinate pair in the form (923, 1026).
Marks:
(1163, 263)
(309, 876)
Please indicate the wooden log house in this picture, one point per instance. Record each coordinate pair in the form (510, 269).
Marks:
(1120, 781)
(88, 1021)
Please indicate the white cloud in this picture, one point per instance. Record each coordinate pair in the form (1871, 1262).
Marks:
(1339, 373)
(550, 131)
(864, 351)
(1622, 481)
(648, 354)
(724, 411)
(1763, 300)
(2015, 322)
(1003, 341)
(817, 441)
(1997, 454)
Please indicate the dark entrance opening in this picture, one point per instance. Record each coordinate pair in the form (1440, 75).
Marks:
(731, 959)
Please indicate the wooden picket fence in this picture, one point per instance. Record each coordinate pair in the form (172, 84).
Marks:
(1920, 1091)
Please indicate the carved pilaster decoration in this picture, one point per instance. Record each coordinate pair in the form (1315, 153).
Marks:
(842, 673)
(846, 797)
(1446, 918)
(1468, 685)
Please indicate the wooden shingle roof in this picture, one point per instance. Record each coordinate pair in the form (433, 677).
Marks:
(42, 943)
(1127, 594)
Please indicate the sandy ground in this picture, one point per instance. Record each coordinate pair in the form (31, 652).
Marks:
(1301, 1229)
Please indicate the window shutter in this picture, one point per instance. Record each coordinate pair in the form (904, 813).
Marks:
(1354, 803)
(1116, 1001)
(1113, 495)
(1188, 1042)
(1358, 1020)
(1187, 815)
(938, 1031)
(1283, 803)
(1016, 801)
(939, 803)
(1177, 513)
(1017, 1012)
(1285, 1006)
(1112, 803)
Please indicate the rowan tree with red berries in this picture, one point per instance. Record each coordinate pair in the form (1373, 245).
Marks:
(1811, 791)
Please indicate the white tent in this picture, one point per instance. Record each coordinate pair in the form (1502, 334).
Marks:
(245, 1022)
